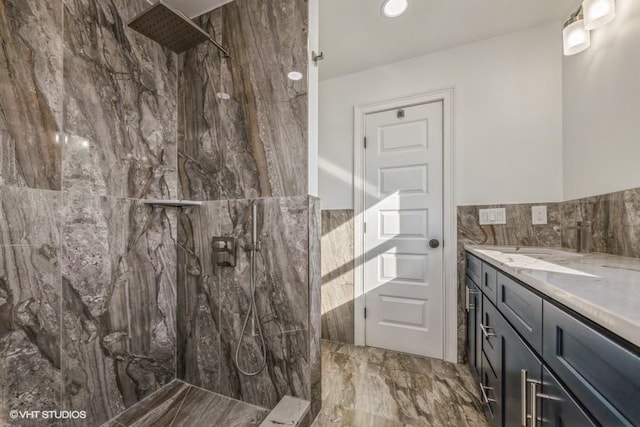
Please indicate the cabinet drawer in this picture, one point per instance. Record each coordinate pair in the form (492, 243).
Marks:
(522, 308)
(604, 376)
(489, 281)
(474, 268)
(491, 326)
(491, 394)
(559, 409)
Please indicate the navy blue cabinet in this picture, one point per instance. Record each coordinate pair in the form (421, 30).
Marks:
(604, 376)
(474, 269)
(490, 326)
(474, 317)
(539, 365)
(522, 372)
(522, 308)
(489, 282)
(559, 409)
(491, 393)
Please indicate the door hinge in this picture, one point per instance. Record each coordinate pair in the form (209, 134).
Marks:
(365, 227)
(365, 312)
(365, 142)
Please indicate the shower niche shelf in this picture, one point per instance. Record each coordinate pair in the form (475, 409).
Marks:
(172, 203)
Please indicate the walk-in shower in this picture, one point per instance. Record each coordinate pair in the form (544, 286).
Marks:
(252, 312)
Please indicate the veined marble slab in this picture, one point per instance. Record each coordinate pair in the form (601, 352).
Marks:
(31, 93)
(243, 123)
(213, 300)
(120, 104)
(119, 303)
(603, 288)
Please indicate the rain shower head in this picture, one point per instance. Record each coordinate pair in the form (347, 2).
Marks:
(171, 28)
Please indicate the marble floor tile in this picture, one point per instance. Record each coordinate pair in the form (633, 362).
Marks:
(181, 405)
(365, 386)
(339, 416)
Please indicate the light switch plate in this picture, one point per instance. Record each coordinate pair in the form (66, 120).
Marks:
(495, 216)
(538, 215)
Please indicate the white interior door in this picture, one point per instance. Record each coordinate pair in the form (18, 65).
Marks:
(403, 274)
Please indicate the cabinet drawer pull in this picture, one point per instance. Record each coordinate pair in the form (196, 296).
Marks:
(534, 404)
(485, 397)
(485, 331)
(534, 401)
(468, 294)
(549, 397)
(523, 398)
(524, 380)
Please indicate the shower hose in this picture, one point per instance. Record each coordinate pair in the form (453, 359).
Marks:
(252, 312)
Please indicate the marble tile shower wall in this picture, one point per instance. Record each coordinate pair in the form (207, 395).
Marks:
(213, 301)
(243, 140)
(253, 144)
(88, 126)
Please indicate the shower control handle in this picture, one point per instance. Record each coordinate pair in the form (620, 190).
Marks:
(224, 251)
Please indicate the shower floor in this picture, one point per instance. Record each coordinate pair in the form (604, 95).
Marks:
(179, 404)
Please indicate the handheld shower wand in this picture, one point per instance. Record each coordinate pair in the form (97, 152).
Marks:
(253, 311)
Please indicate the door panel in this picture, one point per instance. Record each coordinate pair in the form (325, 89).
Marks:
(520, 368)
(403, 211)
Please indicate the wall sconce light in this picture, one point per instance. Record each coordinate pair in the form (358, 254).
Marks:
(575, 37)
(598, 13)
(591, 15)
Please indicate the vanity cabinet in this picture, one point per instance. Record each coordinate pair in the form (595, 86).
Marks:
(541, 365)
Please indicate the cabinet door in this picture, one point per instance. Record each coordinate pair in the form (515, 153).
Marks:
(521, 371)
(491, 393)
(559, 409)
(473, 327)
(490, 327)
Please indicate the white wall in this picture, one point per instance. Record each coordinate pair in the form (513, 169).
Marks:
(508, 95)
(602, 109)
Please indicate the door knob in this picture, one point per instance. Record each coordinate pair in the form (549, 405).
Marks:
(434, 243)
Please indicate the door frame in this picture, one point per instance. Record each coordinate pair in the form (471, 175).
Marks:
(449, 265)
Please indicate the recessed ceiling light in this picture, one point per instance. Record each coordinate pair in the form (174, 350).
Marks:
(394, 8)
(295, 76)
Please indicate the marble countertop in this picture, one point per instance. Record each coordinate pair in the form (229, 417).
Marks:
(603, 288)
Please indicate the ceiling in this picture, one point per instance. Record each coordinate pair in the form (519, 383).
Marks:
(354, 35)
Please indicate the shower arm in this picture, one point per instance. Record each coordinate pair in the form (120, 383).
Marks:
(225, 52)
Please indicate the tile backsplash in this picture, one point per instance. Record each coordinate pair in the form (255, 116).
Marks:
(615, 220)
